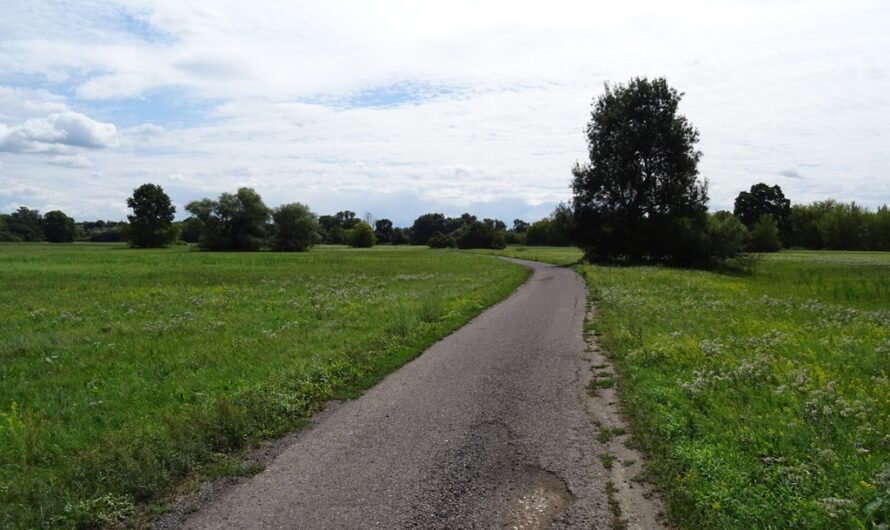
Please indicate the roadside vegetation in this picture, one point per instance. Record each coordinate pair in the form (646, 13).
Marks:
(125, 369)
(762, 399)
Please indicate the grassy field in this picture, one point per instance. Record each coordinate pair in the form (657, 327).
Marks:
(763, 399)
(122, 370)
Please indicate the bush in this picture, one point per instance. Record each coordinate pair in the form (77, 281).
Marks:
(727, 236)
(439, 240)
(296, 228)
(765, 235)
(361, 236)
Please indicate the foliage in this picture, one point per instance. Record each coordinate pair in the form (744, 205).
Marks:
(399, 237)
(519, 226)
(425, 226)
(439, 240)
(639, 196)
(479, 235)
(5, 234)
(361, 236)
(839, 226)
(151, 224)
(58, 227)
(539, 232)
(383, 231)
(25, 224)
(296, 228)
(234, 222)
(764, 236)
(761, 399)
(727, 236)
(762, 200)
(123, 370)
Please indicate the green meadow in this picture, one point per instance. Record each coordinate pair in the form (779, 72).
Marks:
(763, 400)
(124, 372)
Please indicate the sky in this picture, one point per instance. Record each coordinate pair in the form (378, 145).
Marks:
(398, 108)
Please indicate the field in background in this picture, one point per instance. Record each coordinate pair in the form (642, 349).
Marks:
(562, 256)
(121, 370)
(764, 399)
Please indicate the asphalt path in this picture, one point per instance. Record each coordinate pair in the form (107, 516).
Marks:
(486, 429)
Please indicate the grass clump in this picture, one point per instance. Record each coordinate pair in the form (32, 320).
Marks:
(122, 371)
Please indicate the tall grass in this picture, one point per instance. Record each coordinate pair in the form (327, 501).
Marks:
(123, 370)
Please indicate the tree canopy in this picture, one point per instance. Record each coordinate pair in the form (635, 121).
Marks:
(58, 227)
(151, 224)
(639, 196)
(236, 221)
(762, 200)
(296, 228)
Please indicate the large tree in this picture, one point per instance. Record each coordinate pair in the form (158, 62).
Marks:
(151, 224)
(426, 225)
(762, 200)
(58, 227)
(236, 221)
(639, 196)
(383, 230)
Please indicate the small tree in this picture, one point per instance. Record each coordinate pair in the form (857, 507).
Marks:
(727, 236)
(362, 235)
(151, 224)
(540, 232)
(58, 227)
(296, 228)
(765, 235)
(639, 196)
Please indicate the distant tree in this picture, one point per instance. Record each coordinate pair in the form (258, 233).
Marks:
(639, 196)
(399, 237)
(479, 235)
(295, 228)
(347, 219)
(440, 240)
(5, 234)
(234, 222)
(26, 224)
(519, 226)
(383, 230)
(361, 235)
(496, 224)
(562, 226)
(764, 200)
(190, 230)
(879, 229)
(425, 226)
(151, 224)
(844, 227)
(764, 235)
(58, 227)
(539, 233)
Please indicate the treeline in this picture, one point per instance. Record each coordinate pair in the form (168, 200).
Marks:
(774, 223)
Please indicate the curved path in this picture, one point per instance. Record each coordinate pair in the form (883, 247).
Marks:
(487, 429)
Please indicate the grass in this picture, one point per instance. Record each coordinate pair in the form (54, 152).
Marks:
(562, 256)
(122, 371)
(763, 400)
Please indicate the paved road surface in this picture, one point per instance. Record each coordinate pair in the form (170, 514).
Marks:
(487, 429)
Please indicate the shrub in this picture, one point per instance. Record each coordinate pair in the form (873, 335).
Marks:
(361, 236)
(479, 235)
(727, 236)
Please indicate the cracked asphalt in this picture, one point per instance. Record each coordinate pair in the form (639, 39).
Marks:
(486, 429)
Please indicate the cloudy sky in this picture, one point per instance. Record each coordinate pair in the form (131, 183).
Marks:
(402, 107)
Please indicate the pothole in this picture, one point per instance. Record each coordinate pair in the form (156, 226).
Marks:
(536, 503)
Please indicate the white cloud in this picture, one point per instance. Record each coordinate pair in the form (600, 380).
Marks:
(56, 132)
(72, 161)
